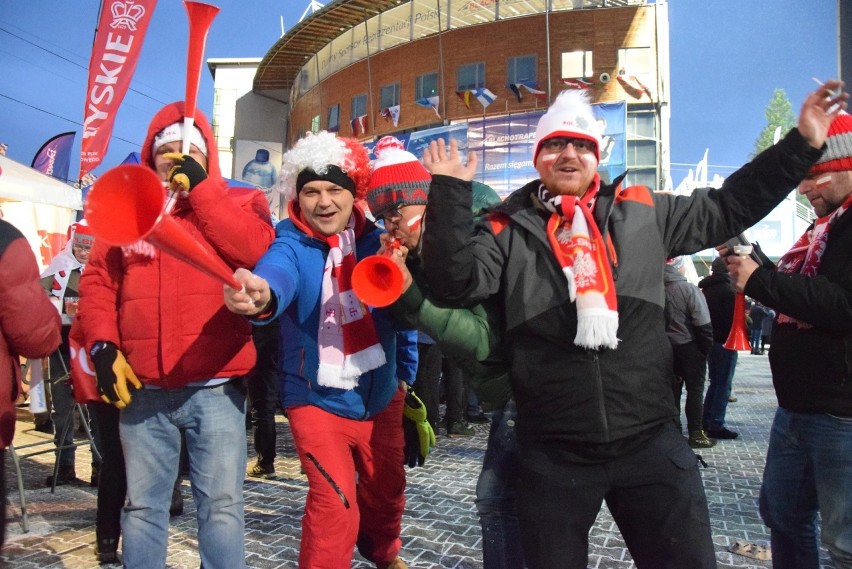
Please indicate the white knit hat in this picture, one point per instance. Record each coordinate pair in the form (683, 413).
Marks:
(569, 115)
(174, 133)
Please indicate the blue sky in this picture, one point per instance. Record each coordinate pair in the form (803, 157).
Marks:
(727, 58)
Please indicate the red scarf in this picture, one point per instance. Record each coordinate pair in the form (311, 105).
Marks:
(805, 255)
(579, 249)
(347, 341)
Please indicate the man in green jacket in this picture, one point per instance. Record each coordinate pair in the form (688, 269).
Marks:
(399, 188)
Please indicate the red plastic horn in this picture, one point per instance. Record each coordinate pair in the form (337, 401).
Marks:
(126, 205)
(738, 336)
(200, 17)
(376, 280)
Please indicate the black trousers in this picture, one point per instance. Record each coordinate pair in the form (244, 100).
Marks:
(690, 365)
(655, 495)
(263, 391)
(112, 484)
(427, 384)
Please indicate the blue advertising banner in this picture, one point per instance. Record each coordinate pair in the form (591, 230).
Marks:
(613, 118)
(54, 156)
(504, 146)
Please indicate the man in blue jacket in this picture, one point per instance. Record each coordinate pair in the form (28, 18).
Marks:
(577, 266)
(343, 387)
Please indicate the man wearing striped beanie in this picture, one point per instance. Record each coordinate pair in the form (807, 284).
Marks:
(809, 460)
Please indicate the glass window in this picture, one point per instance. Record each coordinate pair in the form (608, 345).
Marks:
(334, 118)
(634, 60)
(470, 76)
(506, 10)
(641, 153)
(642, 177)
(427, 19)
(315, 124)
(642, 125)
(389, 95)
(522, 69)
(426, 86)
(577, 64)
(304, 80)
(359, 106)
(469, 12)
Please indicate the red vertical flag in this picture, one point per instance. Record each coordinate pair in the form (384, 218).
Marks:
(121, 30)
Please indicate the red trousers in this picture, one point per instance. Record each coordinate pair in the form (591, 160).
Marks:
(356, 485)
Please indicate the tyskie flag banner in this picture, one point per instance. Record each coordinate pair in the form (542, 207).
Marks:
(118, 42)
(54, 156)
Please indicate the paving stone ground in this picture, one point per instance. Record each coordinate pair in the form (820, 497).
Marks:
(440, 527)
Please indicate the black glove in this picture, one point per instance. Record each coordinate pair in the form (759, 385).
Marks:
(186, 173)
(419, 436)
(113, 373)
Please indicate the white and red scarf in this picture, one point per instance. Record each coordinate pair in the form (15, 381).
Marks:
(347, 340)
(805, 255)
(579, 248)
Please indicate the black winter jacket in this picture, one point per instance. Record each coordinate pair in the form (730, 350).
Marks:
(591, 400)
(812, 367)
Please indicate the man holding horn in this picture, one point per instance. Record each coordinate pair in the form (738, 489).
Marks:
(171, 356)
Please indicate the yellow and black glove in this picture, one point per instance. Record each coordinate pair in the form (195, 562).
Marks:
(419, 436)
(115, 376)
(186, 173)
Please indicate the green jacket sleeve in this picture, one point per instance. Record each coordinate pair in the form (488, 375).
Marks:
(468, 336)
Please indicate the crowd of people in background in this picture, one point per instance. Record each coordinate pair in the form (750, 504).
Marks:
(531, 312)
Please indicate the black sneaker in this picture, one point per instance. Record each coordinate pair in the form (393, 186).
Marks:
(46, 427)
(260, 471)
(478, 418)
(65, 475)
(460, 429)
(106, 551)
(722, 433)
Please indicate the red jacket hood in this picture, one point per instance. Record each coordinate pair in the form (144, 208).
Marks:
(172, 113)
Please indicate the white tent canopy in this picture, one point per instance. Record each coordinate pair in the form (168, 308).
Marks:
(22, 183)
(40, 207)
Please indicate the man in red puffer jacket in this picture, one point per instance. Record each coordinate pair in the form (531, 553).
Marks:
(171, 356)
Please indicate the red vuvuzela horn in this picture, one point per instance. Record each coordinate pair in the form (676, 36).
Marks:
(200, 17)
(376, 280)
(126, 204)
(738, 336)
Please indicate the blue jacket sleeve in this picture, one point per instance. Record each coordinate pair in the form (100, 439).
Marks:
(406, 356)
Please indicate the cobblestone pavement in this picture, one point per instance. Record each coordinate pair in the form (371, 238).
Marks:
(440, 527)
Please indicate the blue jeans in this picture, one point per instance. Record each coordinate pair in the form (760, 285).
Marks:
(213, 421)
(754, 338)
(496, 494)
(721, 364)
(808, 469)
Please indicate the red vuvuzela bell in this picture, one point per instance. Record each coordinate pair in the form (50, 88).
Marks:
(376, 280)
(137, 193)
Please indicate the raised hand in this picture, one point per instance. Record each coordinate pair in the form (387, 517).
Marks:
(440, 160)
(819, 109)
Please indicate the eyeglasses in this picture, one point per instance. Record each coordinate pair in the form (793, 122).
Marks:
(393, 215)
(559, 143)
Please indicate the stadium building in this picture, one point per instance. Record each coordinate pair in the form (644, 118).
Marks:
(478, 71)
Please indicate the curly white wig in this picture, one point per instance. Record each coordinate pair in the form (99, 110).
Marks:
(317, 152)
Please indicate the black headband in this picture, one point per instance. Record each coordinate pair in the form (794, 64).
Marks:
(332, 174)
